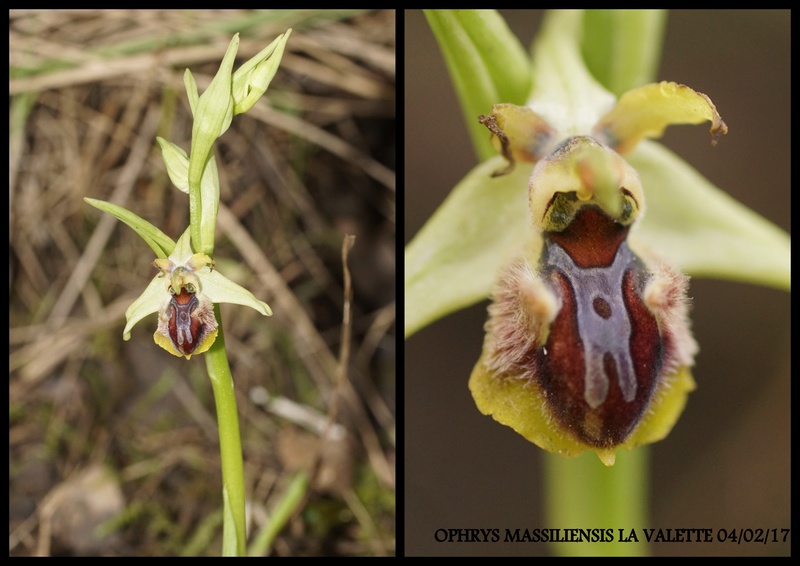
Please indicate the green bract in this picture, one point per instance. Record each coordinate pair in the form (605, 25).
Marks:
(177, 163)
(213, 115)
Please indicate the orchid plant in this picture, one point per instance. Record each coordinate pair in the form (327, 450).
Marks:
(187, 290)
(558, 216)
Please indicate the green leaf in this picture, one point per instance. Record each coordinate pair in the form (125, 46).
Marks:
(284, 510)
(159, 242)
(702, 229)
(487, 64)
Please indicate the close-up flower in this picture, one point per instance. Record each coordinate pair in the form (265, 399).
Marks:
(561, 278)
(588, 342)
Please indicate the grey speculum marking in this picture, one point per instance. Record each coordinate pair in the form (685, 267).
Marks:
(603, 322)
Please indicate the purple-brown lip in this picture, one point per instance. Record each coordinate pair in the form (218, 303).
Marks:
(185, 331)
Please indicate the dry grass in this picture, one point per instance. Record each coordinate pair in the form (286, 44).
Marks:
(121, 434)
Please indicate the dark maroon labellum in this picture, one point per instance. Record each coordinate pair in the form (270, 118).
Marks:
(603, 356)
(186, 331)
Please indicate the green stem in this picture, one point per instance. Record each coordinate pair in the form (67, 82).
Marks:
(230, 445)
(582, 493)
(281, 514)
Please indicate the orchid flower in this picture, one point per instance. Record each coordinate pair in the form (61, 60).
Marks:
(453, 262)
(183, 294)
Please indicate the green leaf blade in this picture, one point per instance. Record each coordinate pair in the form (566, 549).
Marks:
(159, 242)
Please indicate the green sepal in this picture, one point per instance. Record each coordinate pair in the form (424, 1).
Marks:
(702, 229)
(453, 260)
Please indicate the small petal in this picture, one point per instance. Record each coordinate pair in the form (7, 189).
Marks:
(646, 111)
(518, 132)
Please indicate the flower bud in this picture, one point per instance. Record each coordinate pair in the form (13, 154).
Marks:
(252, 79)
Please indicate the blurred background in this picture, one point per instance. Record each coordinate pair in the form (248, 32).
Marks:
(113, 446)
(727, 462)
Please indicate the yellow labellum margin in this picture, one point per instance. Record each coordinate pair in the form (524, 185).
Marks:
(521, 406)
